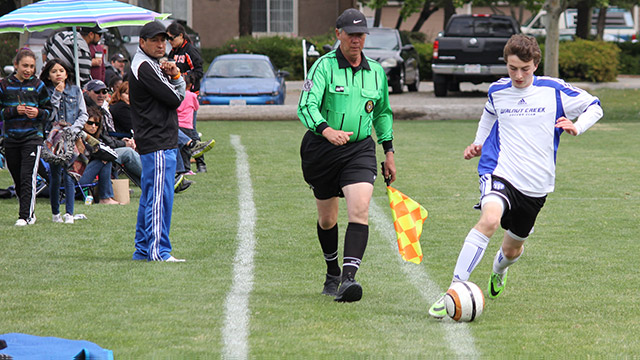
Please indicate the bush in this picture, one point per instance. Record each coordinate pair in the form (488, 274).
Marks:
(629, 59)
(8, 47)
(595, 61)
(425, 54)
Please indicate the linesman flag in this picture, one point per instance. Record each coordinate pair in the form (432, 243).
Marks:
(408, 217)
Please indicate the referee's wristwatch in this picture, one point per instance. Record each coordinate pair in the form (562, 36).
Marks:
(389, 150)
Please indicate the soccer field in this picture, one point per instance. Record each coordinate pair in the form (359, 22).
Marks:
(251, 285)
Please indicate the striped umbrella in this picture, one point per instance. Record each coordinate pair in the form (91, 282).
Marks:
(54, 14)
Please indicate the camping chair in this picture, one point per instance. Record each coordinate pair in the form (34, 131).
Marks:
(82, 190)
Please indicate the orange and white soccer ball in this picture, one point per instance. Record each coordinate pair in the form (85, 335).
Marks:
(464, 301)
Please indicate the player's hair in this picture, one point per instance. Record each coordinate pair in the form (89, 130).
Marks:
(524, 47)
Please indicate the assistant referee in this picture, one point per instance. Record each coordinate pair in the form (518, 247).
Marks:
(344, 95)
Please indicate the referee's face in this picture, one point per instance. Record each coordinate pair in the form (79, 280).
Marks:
(520, 72)
(351, 44)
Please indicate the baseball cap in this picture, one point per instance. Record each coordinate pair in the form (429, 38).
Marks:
(118, 57)
(96, 29)
(352, 21)
(152, 29)
(95, 85)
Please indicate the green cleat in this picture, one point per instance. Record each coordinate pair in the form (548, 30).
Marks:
(497, 283)
(438, 310)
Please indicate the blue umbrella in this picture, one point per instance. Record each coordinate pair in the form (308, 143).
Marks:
(54, 14)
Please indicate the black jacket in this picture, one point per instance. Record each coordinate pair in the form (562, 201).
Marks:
(189, 61)
(154, 99)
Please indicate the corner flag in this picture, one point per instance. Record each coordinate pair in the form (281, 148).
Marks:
(408, 217)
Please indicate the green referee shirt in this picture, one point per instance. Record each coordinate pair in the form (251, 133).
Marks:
(347, 98)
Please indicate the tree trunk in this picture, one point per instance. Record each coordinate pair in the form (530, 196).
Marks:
(449, 10)
(376, 17)
(244, 18)
(399, 22)
(426, 12)
(552, 43)
(583, 21)
(602, 16)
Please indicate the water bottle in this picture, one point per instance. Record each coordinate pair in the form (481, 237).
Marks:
(88, 200)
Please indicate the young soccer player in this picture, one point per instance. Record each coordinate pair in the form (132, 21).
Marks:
(516, 140)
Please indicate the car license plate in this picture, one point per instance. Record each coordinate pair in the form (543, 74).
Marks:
(237, 102)
(472, 69)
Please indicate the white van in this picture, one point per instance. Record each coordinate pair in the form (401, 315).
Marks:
(619, 25)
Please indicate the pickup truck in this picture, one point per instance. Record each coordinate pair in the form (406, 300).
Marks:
(470, 50)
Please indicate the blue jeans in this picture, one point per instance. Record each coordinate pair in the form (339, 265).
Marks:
(103, 171)
(130, 159)
(183, 139)
(55, 173)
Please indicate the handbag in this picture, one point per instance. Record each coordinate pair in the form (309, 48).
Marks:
(59, 146)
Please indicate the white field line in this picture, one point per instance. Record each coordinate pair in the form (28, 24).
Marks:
(235, 333)
(457, 335)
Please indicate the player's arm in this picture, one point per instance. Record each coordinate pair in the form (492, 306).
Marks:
(588, 118)
(487, 120)
(311, 98)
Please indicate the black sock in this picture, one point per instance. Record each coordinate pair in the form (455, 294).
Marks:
(355, 242)
(329, 243)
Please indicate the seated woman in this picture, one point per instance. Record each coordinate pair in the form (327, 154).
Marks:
(121, 111)
(97, 166)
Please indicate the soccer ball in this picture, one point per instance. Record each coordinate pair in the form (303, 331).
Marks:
(464, 301)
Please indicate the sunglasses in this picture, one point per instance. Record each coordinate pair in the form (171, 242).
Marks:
(103, 91)
(91, 123)
(172, 37)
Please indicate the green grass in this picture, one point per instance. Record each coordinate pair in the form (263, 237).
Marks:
(574, 292)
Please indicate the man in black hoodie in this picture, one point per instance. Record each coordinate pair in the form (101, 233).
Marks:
(156, 91)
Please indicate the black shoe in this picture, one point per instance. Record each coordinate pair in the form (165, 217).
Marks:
(349, 291)
(202, 168)
(331, 284)
(184, 185)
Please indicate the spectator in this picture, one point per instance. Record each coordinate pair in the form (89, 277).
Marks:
(97, 165)
(115, 69)
(97, 61)
(185, 54)
(95, 95)
(186, 112)
(25, 109)
(68, 110)
(156, 92)
(121, 110)
(60, 46)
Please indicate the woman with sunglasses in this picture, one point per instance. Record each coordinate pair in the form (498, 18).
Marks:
(185, 54)
(69, 110)
(97, 165)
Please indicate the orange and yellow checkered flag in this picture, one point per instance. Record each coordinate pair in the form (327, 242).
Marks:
(408, 217)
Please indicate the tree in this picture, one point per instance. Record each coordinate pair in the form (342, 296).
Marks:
(554, 9)
(428, 8)
(244, 18)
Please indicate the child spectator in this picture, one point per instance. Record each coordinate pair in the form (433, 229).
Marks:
(26, 108)
(70, 113)
(186, 113)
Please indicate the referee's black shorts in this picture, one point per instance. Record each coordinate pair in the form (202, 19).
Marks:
(327, 168)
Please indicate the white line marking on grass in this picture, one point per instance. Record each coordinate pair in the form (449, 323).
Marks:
(457, 335)
(235, 333)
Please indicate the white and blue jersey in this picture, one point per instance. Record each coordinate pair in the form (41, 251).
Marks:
(518, 134)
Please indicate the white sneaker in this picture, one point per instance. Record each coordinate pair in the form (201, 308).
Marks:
(172, 259)
(68, 219)
(21, 222)
(31, 221)
(56, 218)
